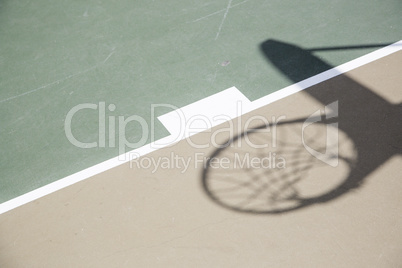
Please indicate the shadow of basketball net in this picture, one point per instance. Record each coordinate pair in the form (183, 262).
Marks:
(294, 164)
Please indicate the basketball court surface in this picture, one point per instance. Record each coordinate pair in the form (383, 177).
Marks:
(200, 134)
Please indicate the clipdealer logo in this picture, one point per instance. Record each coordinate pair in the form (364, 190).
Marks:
(115, 127)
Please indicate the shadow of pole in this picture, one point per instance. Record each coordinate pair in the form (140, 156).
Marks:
(372, 123)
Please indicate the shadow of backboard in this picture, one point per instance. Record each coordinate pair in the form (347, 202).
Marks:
(368, 133)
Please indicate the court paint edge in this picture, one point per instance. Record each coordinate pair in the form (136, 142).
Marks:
(124, 158)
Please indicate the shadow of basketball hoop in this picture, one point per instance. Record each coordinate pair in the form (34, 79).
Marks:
(274, 168)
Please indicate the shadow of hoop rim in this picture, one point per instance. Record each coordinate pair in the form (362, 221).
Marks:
(347, 184)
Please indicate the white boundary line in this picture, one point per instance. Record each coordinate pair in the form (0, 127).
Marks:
(116, 161)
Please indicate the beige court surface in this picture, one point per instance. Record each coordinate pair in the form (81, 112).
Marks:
(308, 214)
